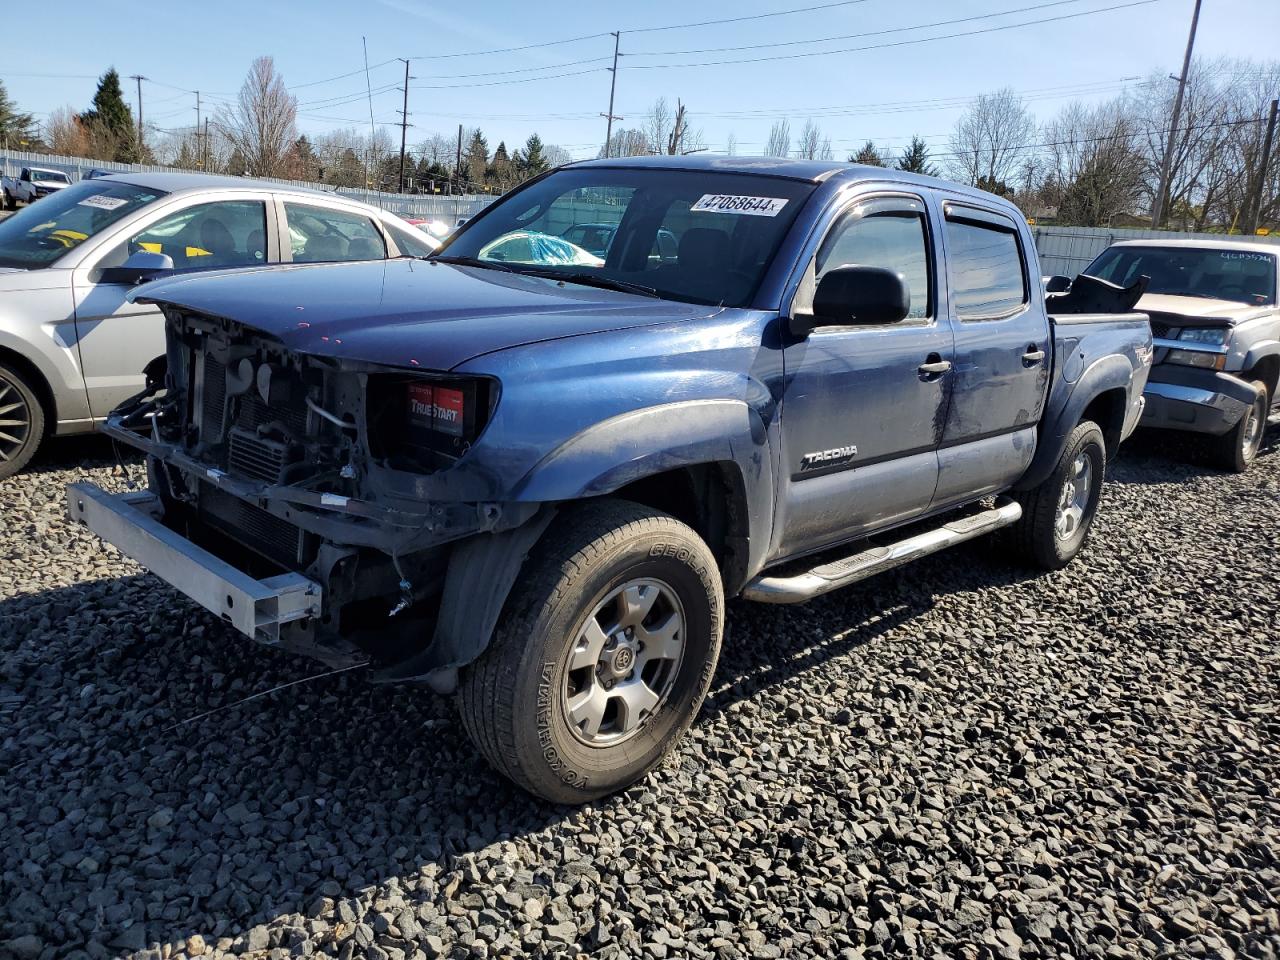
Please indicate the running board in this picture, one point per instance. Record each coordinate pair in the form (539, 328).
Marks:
(840, 573)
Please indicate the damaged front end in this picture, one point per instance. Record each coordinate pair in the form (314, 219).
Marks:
(339, 473)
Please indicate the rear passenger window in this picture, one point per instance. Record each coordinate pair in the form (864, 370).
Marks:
(987, 281)
(317, 234)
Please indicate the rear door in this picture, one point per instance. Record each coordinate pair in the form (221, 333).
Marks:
(1002, 360)
(118, 339)
(319, 233)
(863, 404)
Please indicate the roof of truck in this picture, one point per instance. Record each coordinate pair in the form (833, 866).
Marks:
(1253, 246)
(810, 171)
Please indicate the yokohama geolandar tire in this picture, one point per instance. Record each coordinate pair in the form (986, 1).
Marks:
(1056, 515)
(1236, 449)
(603, 655)
(21, 422)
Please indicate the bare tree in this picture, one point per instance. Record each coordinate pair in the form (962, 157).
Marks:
(989, 138)
(812, 144)
(657, 126)
(779, 144)
(262, 124)
(731, 144)
(66, 134)
(628, 142)
(679, 131)
(438, 149)
(557, 156)
(1095, 164)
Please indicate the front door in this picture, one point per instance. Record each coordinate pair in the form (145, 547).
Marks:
(1002, 357)
(864, 405)
(118, 339)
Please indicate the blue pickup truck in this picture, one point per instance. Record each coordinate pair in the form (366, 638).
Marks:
(533, 476)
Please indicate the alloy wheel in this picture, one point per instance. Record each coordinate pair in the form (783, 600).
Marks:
(1073, 502)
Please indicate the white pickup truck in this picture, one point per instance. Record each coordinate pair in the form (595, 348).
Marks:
(31, 184)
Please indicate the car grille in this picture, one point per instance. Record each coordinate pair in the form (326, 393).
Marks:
(256, 529)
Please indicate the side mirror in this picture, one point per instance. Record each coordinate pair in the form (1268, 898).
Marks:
(139, 268)
(1057, 284)
(856, 295)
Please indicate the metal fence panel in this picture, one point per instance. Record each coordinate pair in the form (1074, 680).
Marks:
(1068, 250)
(406, 205)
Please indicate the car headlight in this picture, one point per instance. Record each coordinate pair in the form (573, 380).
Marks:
(1209, 336)
(1198, 358)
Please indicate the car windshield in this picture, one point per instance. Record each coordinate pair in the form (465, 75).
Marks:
(38, 235)
(697, 236)
(1243, 276)
(48, 176)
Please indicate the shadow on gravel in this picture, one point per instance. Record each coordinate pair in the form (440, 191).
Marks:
(1160, 457)
(121, 830)
(87, 452)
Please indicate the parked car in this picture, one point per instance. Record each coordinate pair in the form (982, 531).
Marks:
(1217, 338)
(72, 347)
(435, 229)
(536, 483)
(98, 172)
(31, 184)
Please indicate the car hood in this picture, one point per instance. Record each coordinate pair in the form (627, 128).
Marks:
(407, 312)
(18, 280)
(1200, 308)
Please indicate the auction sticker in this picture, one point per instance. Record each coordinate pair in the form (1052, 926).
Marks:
(747, 206)
(103, 202)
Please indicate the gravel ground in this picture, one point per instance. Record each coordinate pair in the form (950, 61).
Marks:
(959, 759)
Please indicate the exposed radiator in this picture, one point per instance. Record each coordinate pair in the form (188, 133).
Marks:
(256, 529)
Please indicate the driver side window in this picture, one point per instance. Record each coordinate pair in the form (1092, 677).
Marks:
(889, 232)
(228, 233)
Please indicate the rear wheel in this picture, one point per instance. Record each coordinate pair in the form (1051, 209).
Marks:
(1057, 515)
(21, 422)
(603, 655)
(1236, 449)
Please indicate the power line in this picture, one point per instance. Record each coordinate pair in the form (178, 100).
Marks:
(744, 19)
(854, 36)
(896, 43)
(503, 83)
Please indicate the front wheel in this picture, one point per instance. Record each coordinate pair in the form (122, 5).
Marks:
(21, 422)
(1236, 449)
(1057, 515)
(603, 655)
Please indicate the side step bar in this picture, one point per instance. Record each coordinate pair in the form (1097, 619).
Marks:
(840, 573)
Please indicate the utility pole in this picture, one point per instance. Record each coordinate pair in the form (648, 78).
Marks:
(404, 123)
(204, 148)
(139, 78)
(199, 151)
(457, 163)
(613, 85)
(1255, 218)
(1166, 165)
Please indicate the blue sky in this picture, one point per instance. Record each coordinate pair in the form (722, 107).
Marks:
(884, 94)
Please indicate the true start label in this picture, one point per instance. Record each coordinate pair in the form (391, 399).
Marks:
(436, 408)
(743, 206)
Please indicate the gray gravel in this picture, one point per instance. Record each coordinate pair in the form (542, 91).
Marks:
(960, 759)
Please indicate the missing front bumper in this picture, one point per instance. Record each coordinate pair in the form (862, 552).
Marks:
(257, 608)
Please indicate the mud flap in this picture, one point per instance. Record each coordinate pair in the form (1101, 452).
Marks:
(482, 570)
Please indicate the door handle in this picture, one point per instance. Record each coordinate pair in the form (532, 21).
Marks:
(934, 367)
(1032, 356)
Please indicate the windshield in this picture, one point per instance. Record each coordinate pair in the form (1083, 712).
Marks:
(1243, 276)
(38, 235)
(697, 236)
(48, 176)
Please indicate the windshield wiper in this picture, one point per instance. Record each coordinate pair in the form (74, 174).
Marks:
(471, 262)
(595, 280)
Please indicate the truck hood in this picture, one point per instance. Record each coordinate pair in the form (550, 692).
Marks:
(1200, 308)
(406, 312)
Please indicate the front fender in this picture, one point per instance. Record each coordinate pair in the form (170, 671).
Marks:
(1260, 351)
(640, 443)
(1061, 416)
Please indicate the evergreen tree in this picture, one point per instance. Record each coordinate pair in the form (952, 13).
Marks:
(532, 160)
(869, 155)
(111, 120)
(15, 127)
(502, 169)
(915, 159)
(475, 161)
(303, 164)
